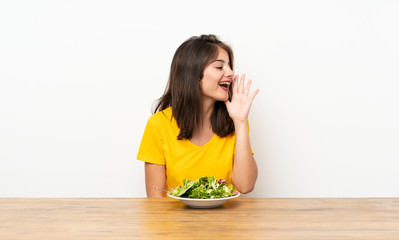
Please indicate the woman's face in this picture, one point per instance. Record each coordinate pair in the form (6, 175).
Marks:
(217, 78)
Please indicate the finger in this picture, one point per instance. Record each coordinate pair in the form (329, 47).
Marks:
(246, 91)
(241, 88)
(254, 94)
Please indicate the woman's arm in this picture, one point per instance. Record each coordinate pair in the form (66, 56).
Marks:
(245, 171)
(155, 176)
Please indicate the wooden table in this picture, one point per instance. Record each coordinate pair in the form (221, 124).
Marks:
(242, 218)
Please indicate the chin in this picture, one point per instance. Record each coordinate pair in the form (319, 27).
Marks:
(223, 97)
(219, 97)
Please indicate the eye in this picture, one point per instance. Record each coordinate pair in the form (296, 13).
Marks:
(220, 67)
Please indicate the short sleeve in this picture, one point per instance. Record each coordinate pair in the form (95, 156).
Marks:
(151, 150)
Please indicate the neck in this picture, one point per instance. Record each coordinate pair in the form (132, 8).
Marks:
(207, 109)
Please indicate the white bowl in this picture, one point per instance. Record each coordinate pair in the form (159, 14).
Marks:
(204, 203)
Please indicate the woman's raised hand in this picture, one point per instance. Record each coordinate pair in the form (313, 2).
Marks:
(241, 101)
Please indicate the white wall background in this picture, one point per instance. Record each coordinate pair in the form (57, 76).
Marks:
(78, 80)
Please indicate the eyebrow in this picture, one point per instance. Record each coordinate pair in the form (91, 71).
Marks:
(219, 60)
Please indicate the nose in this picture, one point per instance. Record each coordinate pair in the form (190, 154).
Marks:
(228, 71)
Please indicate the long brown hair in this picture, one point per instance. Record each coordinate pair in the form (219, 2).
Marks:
(183, 92)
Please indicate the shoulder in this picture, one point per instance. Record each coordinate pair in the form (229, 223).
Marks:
(163, 124)
(161, 117)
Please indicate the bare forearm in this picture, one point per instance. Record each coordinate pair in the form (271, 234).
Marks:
(245, 171)
(155, 176)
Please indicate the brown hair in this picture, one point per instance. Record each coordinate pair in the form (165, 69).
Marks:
(183, 92)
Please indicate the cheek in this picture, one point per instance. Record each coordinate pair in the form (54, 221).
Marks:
(213, 77)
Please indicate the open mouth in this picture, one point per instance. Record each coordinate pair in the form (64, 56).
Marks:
(224, 86)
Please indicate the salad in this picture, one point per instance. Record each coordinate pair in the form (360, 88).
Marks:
(205, 187)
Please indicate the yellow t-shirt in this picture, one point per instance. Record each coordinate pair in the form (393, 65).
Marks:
(182, 158)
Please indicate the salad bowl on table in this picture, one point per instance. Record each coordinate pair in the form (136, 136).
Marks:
(203, 203)
(205, 192)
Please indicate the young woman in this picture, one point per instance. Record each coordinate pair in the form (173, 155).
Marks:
(200, 125)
